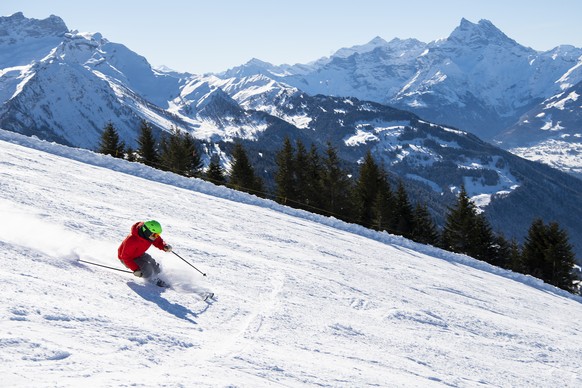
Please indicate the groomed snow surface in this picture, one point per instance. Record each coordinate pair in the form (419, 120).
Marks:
(302, 300)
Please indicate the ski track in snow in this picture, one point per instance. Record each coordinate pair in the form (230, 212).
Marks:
(302, 300)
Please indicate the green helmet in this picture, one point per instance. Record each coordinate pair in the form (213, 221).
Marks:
(153, 226)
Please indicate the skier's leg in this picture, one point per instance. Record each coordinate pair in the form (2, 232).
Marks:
(155, 266)
(155, 278)
(146, 265)
(150, 269)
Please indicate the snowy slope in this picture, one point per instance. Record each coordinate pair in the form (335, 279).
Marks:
(303, 300)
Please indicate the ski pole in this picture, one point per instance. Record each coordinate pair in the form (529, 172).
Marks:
(188, 263)
(105, 266)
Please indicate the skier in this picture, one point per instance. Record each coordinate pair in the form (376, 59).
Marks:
(132, 251)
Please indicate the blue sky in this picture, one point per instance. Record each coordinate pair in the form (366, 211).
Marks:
(212, 36)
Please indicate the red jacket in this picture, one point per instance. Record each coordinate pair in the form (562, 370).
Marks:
(135, 245)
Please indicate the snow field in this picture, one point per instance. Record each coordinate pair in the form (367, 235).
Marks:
(302, 300)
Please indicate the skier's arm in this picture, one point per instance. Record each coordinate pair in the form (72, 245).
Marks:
(159, 243)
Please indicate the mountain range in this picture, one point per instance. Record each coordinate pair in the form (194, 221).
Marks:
(382, 97)
(477, 79)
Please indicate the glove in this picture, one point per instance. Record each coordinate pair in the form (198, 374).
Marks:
(168, 248)
(138, 273)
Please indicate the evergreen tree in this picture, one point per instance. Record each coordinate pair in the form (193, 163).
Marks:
(402, 219)
(425, 230)
(191, 155)
(242, 174)
(516, 263)
(366, 190)
(336, 186)
(170, 153)
(548, 255)
(466, 231)
(131, 155)
(301, 179)
(147, 146)
(500, 252)
(485, 245)
(179, 154)
(313, 178)
(285, 176)
(561, 256)
(459, 225)
(215, 172)
(383, 207)
(110, 143)
(534, 248)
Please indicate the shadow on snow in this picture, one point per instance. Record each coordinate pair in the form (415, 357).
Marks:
(147, 292)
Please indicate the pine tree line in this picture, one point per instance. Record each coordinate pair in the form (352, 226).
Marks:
(307, 180)
(178, 152)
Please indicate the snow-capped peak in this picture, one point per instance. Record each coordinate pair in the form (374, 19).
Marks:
(484, 32)
(24, 40)
(17, 27)
(360, 49)
(253, 66)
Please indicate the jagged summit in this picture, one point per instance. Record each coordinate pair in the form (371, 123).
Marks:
(24, 40)
(361, 49)
(377, 41)
(257, 63)
(484, 32)
(17, 26)
(251, 67)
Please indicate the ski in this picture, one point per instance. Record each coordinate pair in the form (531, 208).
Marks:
(162, 284)
(207, 296)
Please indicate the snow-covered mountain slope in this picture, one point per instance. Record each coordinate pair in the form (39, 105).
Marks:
(66, 86)
(435, 160)
(550, 133)
(23, 42)
(477, 79)
(26, 40)
(303, 300)
(69, 85)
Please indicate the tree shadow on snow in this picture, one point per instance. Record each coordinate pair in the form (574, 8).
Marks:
(149, 294)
